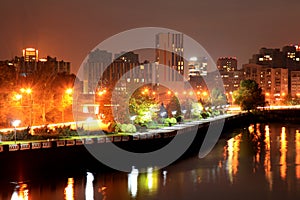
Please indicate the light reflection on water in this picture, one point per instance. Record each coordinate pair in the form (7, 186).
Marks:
(69, 190)
(270, 172)
(21, 192)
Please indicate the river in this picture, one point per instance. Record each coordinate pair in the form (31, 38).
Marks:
(232, 170)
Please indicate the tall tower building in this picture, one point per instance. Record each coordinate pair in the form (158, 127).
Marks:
(169, 52)
(97, 62)
(31, 54)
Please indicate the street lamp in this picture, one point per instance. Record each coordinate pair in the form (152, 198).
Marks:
(15, 124)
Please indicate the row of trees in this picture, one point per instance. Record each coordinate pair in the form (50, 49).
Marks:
(35, 98)
(143, 108)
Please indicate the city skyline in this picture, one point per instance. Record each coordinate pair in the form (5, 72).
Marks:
(71, 31)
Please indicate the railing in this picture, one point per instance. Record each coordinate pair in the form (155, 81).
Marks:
(167, 132)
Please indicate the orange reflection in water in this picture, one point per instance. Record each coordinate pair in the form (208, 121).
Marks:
(21, 192)
(267, 160)
(297, 161)
(233, 148)
(69, 190)
(283, 153)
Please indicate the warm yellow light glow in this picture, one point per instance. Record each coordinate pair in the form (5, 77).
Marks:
(267, 94)
(26, 90)
(204, 93)
(198, 92)
(267, 161)
(18, 97)
(283, 153)
(184, 92)
(169, 92)
(153, 93)
(69, 190)
(69, 91)
(233, 148)
(176, 93)
(43, 60)
(22, 194)
(297, 142)
(146, 90)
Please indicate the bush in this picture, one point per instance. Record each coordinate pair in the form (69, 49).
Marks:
(205, 115)
(170, 121)
(124, 128)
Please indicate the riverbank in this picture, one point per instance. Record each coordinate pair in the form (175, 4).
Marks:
(66, 155)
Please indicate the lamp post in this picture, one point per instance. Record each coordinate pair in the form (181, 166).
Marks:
(15, 124)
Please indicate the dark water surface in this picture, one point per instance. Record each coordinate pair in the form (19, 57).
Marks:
(233, 170)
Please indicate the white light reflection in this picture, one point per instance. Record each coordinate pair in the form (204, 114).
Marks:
(15, 195)
(89, 188)
(21, 192)
(133, 181)
(165, 177)
(69, 190)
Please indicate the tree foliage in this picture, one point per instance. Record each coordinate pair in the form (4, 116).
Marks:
(174, 107)
(144, 106)
(249, 96)
(218, 97)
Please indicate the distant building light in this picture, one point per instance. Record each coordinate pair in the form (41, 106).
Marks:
(193, 59)
(43, 60)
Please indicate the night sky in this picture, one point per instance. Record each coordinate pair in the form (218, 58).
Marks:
(70, 29)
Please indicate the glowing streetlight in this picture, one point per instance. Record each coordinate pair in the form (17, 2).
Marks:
(15, 124)
(68, 92)
(18, 97)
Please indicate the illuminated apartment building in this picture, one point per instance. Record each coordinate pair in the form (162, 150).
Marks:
(273, 81)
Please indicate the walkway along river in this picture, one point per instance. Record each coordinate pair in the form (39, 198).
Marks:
(65, 153)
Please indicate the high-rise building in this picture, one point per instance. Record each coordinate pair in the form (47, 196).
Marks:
(169, 52)
(231, 76)
(268, 57)
(227, 64)
(197, 66)
(97, 62)
(288, 58)
(31, 54)
(30, 63)
(273, 81)
(295, 84)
